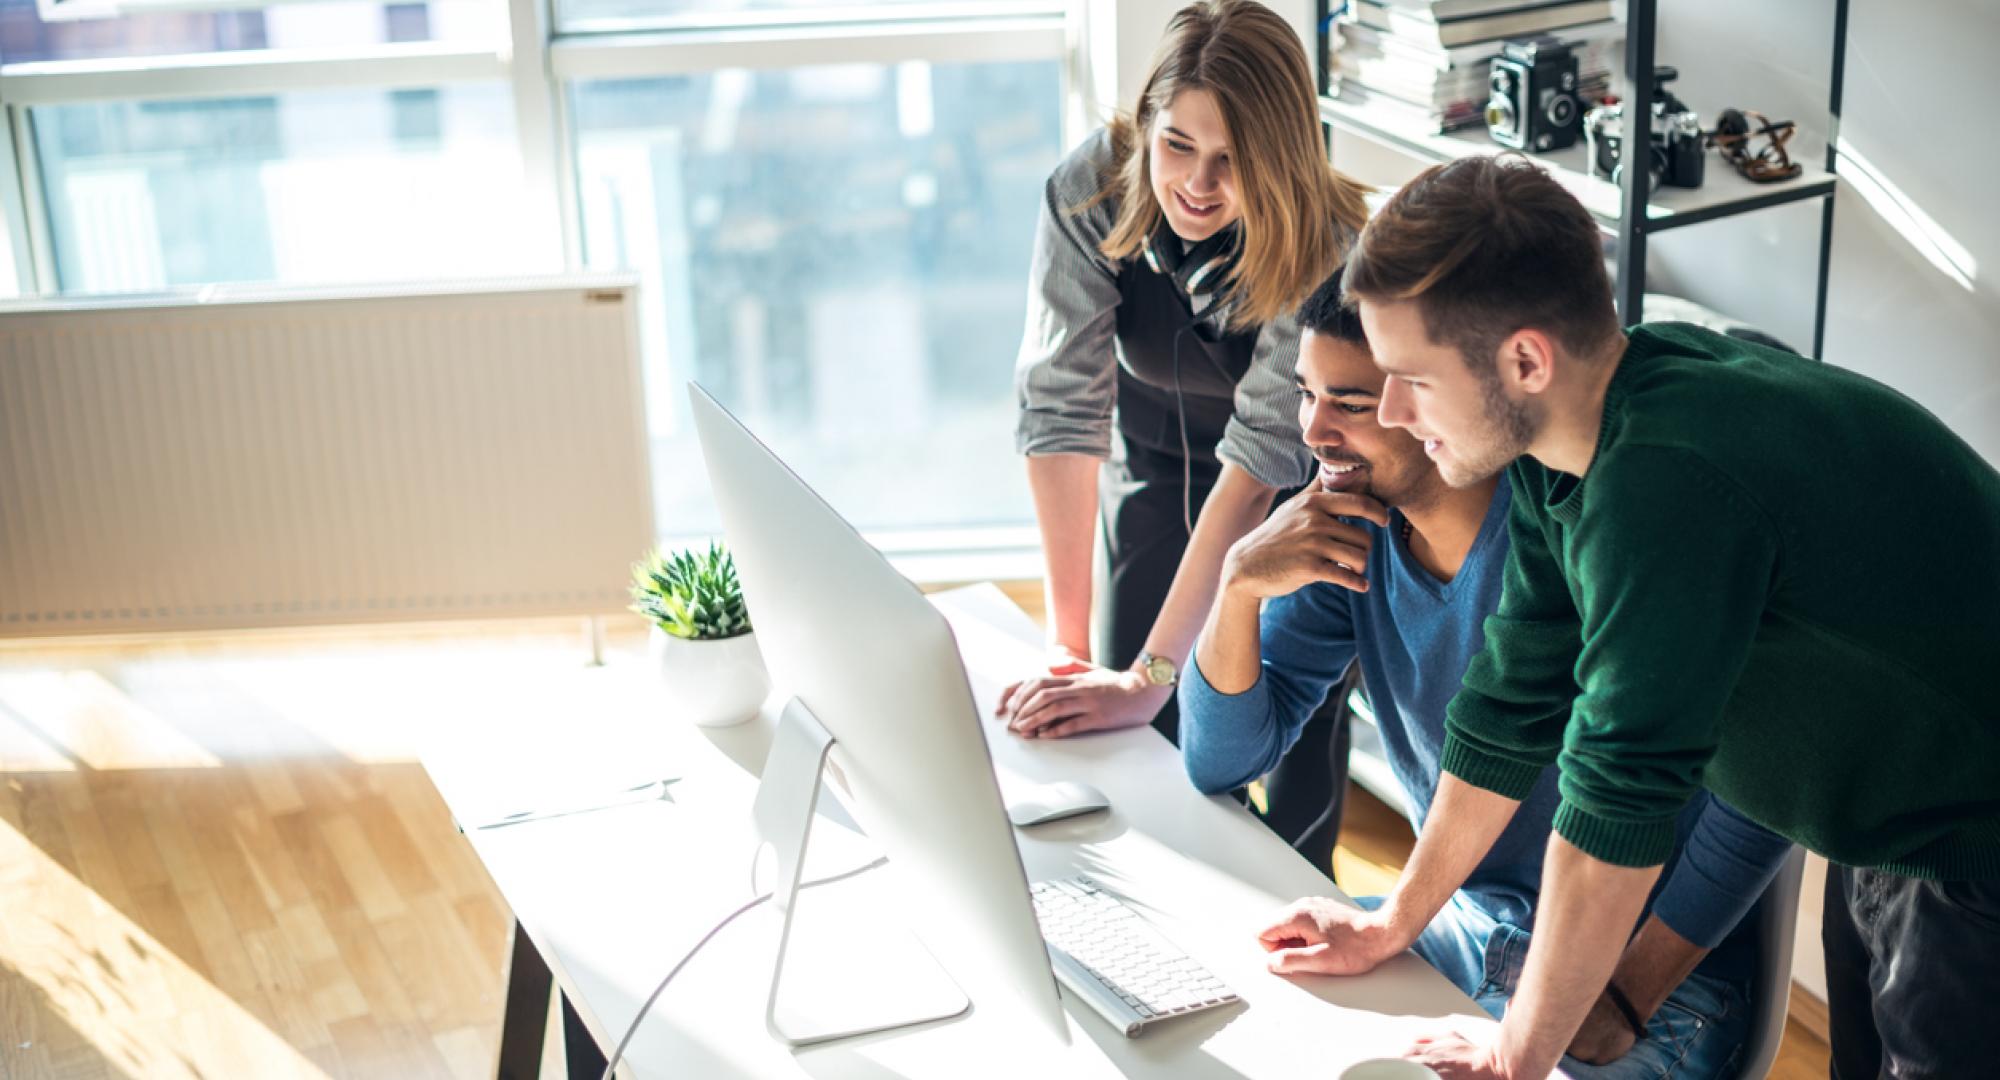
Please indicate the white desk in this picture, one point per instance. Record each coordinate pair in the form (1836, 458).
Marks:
(613, 898)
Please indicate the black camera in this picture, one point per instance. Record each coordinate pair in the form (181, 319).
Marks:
(1534, 104)
(1676, 145)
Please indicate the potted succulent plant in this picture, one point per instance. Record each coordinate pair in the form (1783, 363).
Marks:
(702, 637)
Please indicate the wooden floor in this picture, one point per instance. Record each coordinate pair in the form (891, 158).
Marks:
(219, 858)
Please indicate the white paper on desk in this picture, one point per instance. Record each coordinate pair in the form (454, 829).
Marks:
(542, 743)
(609, 788)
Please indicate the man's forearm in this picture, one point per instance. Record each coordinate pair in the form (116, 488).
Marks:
(1460, 829)
(1230, 651)
(1583, 920)
(1655, 962)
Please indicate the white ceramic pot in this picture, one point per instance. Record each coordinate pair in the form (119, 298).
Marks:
(713, 683)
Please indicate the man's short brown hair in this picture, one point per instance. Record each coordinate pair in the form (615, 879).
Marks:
(1487, 246)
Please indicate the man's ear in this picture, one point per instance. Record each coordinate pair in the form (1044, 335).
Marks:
(1526, 361)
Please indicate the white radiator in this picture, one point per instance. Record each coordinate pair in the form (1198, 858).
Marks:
(278, 458)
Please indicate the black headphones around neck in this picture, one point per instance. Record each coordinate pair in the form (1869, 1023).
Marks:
(1201, 268)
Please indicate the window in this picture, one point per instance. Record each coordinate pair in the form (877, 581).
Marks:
(10, 273)
(588, 15)
(840, 254)
(81, 31)
(830, 205)
(335, 186)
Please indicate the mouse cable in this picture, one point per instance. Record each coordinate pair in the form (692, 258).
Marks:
(619, 1054)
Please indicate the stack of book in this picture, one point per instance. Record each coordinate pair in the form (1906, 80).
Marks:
(1426, 61)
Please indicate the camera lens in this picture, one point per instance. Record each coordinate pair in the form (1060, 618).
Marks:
(1500, 114)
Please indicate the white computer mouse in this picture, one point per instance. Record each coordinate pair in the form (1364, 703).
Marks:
(1052, 802)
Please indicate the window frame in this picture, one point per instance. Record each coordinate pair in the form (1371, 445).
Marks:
(538, 72)
(54, 11)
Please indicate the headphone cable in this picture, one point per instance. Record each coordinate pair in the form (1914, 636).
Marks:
(1187, 456)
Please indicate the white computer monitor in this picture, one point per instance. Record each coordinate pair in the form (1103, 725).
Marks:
(875, 666)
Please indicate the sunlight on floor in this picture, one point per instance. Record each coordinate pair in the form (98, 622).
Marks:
(81, 718)
(204, 702)
(142, 1008)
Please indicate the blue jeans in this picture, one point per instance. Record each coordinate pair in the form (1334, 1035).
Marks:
(1697, 1035)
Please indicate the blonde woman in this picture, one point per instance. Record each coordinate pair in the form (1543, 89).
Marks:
(1155, 380)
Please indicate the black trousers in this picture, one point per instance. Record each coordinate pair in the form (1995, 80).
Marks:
(1146, 505)
(1912, 975)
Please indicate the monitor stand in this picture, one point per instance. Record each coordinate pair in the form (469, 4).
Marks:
(844, 966)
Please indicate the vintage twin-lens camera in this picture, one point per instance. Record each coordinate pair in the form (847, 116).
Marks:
(1534, 105)
(1676, 145)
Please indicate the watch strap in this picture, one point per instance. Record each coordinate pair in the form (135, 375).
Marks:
(1624, 1005)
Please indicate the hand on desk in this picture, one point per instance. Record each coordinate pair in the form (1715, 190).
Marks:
(1058, 705)
(1452, 1054)
(1322, 936)
(1456, 1057)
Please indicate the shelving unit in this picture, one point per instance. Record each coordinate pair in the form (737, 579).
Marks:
(1723, 193)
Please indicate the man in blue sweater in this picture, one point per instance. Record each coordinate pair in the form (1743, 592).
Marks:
(1320, 584)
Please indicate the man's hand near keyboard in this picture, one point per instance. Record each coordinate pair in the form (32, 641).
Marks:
(1323, 936)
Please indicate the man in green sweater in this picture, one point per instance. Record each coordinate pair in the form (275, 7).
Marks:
(1732, 568)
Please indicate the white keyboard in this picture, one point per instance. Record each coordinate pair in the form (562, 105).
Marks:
(1110, 957)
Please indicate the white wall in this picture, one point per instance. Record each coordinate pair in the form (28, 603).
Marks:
(1121, 37)
(1808, 955)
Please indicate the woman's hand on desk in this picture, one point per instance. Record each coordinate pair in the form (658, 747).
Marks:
(1323, 936)
(1056, 705)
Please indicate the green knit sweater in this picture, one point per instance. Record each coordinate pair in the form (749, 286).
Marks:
(1778, 580)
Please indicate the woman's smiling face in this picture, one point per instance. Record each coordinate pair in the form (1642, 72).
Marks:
(1192, 166)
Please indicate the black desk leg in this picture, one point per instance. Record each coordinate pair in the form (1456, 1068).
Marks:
(586, 1061)
(526, 1019)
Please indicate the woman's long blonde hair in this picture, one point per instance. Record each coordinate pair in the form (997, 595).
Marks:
(1249, 58)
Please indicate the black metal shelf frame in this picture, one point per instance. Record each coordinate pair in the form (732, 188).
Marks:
(1635, 224)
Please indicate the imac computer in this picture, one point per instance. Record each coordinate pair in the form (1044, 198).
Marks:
(876, 684)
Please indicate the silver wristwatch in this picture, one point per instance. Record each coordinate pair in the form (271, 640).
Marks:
(1158, 670)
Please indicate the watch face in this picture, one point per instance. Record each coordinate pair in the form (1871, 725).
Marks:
(1160, 670)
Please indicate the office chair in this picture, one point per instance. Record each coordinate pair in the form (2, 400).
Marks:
(1777, 918)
